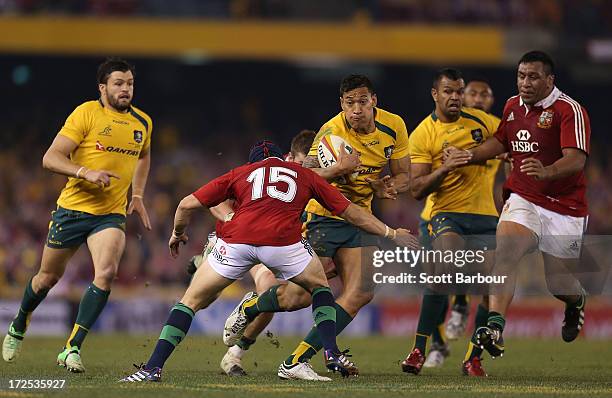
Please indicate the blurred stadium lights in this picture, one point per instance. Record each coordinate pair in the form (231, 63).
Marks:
(195, 57)
(600, 50)
(21, 74)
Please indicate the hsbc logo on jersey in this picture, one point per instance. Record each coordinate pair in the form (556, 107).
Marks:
(523, 145)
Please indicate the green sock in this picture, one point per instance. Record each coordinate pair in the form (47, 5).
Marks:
(428, 317)
(312, 342)
(91, 306)
(482, 316)
(497, 320)
(29, 302)
(245, 343)
(266, 302)
(438, 336)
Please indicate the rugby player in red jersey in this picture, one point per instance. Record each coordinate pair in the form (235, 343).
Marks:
(270, 195)
(547, 135)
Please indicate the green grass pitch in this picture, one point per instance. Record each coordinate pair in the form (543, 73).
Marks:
(531, 368)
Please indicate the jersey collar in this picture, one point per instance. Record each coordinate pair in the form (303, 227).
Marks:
(548, 101)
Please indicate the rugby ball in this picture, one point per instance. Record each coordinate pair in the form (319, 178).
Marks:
(328, 153)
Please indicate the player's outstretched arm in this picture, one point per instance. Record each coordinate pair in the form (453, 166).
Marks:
(347, 163)
(488, 150)
(181, 221)
(139, 182)
(58, 161)
(369, 223)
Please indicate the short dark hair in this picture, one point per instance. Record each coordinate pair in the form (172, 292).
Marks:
(302, 142)
(480, 79)
(539, 56)
(113, 64)
(449, 73)
(352, 82)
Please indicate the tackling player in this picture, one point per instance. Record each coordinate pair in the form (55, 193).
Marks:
(547, 134)
(462, 206)
(103, 148)
(263, 278)
(277, 191)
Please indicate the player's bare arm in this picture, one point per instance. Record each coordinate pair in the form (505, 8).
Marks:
(488, 150)
(181, 220)
(347, 162)
(139, 181)
(223, 211)
(57, 159)
(366, 221)
(572, 162)
(389, 186)
(423, 181)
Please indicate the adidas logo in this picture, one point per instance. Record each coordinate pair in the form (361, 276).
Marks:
(510, 117)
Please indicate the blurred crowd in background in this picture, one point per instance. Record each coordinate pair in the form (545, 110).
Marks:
(205, 119)
(208, 112)
(572, 16)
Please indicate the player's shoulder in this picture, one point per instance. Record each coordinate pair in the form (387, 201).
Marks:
(389, 122)
(479, 116)
(141, 116)
(337, 125)
(88, 106)
(567, 104)
(496, 119)
(471, 113)
(513, 102)
(426, 126)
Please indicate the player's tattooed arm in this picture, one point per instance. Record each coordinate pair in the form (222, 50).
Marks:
(311, 162)
(347, 162)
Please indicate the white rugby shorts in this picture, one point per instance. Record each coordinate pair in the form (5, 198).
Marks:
(233, 260)
(558, 235)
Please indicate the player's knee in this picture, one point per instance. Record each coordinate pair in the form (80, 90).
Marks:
(509, 251)
(44, 281)
(264, 279)
(105, 276)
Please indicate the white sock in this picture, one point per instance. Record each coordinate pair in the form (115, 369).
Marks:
(237, 351)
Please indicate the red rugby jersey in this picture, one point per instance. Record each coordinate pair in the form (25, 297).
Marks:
(541, 132)
(270, 197)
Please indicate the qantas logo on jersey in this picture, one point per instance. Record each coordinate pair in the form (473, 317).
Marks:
(523, 145)
(122, 151)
